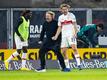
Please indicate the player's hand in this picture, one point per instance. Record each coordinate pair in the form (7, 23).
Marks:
(21, 38)
(54, 38)
(40, 42)
(75, 36)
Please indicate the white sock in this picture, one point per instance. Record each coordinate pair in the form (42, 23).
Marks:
(67, 63)
(24, 59)
(23, 63)
(77, 57)
(59, 64)
(12, 56)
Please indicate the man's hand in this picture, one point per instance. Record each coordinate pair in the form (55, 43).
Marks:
(40, 42)
(75, 36)
(54, 38)
(21, 38)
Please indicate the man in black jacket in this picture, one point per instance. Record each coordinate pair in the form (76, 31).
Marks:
(50, 28)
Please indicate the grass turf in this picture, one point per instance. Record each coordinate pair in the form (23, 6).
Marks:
(86, 74)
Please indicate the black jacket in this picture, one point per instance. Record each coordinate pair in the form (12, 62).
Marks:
(50, 29)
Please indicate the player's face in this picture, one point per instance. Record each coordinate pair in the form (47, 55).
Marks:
(48, 17)
(99, 29)
(64, 10)
(29, 15)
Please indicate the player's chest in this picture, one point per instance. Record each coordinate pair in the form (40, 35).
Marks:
(66, 20)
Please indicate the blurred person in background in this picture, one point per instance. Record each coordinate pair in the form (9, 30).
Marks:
(88, 34)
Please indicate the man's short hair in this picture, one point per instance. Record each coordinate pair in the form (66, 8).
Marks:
(51, 13)
(25, 12)
(65, 5)
(100, 26)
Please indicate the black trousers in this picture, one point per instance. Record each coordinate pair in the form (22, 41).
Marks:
(47, 46)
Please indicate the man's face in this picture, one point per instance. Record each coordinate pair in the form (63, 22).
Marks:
(64, 10)
(48, 17)
(99, 29)
(29, 15)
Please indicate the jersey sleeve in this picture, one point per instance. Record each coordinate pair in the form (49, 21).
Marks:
(42, 33)
(73, 18)
(59, 21)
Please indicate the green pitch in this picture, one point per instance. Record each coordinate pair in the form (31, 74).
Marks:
(86, 74)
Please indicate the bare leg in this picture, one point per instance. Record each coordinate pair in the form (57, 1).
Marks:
(66, 59)
(76, 54)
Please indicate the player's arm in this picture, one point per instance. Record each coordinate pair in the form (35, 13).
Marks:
(75, 29)
(57, 33)
(42, 34)
(86, 40)
(75, 25)
(20, 21)
(81, 35)
(58, 30)
(83, 30)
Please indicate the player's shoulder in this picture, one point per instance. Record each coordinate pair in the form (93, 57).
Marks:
(55, 21)
(61, 16)
(90, 25)
(45, 23)
(20, 19)
(71, 14)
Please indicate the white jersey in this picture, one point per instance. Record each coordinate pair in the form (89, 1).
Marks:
(65, 21)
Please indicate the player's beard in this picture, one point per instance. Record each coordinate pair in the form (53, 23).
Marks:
(65, 13)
